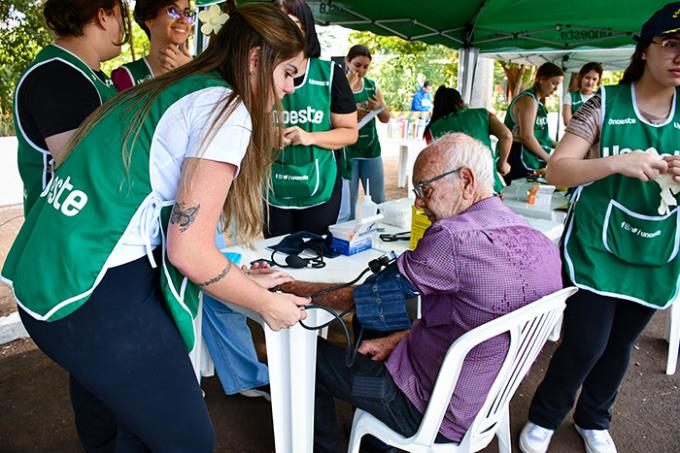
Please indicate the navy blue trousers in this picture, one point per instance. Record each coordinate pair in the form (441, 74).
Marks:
(133, 388)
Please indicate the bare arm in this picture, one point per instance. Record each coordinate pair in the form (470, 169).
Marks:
(341, 299)
(504, 136)
(568, 166)
(526, 119)
(57, 144)
(191, 246)
(376, 103)
(566, 113)
(344, 132)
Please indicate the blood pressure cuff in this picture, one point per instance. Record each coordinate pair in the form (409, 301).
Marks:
(381, 300)
(296, 243)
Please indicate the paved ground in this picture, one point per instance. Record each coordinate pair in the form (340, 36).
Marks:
(36, 417)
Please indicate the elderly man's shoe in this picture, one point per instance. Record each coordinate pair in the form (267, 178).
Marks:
(597, 440)
(534, 438)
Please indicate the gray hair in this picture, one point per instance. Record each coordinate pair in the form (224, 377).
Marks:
(465, 151)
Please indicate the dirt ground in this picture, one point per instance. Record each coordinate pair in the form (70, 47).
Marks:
(35, 414)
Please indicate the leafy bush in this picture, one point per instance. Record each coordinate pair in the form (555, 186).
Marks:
(22, 34)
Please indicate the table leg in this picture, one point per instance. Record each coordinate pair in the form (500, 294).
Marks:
(404, 169)
(291, 356)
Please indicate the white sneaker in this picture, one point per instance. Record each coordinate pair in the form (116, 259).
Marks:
(597, 440)
(258, 392)
(534, 438)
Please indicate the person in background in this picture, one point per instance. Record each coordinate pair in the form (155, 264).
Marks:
(527, 118)
(615, 147)
(472, 234)
(586, 82)
(305, 187)
(168, 26)
(364, 155)
(451, 115)
(123, 236)
(422, 100)
(64, 84)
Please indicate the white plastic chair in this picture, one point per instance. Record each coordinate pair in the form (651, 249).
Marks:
(673, 336)
(529, 328)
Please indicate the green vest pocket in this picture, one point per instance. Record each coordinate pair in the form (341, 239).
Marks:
(638, 238)
(295, 181)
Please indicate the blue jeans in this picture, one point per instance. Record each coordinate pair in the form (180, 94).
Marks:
(371, 170)
(345, 211)
(230, 343)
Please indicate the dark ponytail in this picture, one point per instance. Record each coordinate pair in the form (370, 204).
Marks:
(637, 65)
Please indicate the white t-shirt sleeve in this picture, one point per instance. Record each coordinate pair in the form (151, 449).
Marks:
(566, 99)
(226, 144)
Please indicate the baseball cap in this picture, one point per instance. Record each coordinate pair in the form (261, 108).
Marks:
(663, 22)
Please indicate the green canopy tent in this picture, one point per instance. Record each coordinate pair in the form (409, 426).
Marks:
(506, 29)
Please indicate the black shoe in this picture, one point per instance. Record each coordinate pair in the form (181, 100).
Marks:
(370, 444)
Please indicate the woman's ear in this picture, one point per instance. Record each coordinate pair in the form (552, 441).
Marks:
(102, 17)
(253, 59)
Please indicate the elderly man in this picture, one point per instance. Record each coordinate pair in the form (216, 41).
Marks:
(477, 261)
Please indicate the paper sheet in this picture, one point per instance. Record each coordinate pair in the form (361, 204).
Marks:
(369, 116)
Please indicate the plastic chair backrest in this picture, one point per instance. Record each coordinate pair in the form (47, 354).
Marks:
(529, 328)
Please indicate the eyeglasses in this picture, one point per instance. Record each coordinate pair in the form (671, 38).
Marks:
(175, 14)
(418, 188)
(670, 47)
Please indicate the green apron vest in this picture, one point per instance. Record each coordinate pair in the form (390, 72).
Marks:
(530, 161)
(346, 164)
(35, 163)
(81, 216)
(616, 244)
(367, 145)
(475, 123)
(304, 176)
(577, 101)
(139, 70)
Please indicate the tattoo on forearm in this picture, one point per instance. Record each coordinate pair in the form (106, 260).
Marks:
(183, 216)
(218, 277)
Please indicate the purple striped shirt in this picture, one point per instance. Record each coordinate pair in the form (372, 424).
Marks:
(470, 269)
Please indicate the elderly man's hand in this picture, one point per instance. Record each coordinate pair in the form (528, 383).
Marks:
(379, 349)
(268, 277)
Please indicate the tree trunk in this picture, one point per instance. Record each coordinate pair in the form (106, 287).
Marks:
(515, 73)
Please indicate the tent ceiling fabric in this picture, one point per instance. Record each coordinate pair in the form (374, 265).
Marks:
(570, 61)
(495, 25)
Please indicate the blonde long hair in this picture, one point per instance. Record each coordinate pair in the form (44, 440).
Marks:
(253, 25)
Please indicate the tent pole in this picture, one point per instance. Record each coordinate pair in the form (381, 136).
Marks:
(467, 64)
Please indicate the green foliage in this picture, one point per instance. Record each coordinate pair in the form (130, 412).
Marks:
(22, 34)
(141, 42)
(611, 77)
(400, 66)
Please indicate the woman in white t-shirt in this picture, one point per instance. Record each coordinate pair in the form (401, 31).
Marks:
(586, 85)
(116, 307)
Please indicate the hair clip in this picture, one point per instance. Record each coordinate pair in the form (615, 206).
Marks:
(213, 18)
